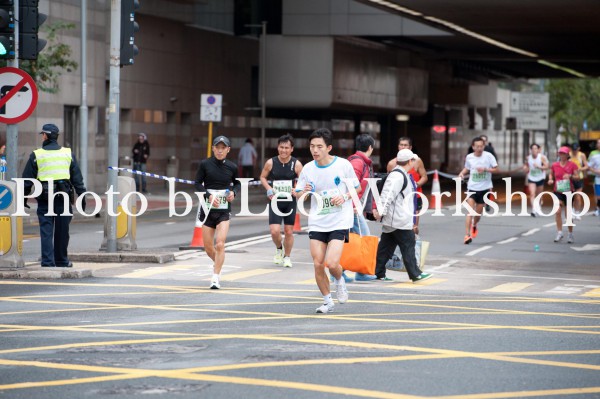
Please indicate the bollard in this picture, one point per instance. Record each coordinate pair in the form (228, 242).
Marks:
(11, 228)
(126, 224)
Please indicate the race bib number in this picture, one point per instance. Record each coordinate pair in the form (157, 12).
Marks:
(222, 196)
(535, 172)
(282, 186)
(477, 177)
(564, 185)
(328, 206)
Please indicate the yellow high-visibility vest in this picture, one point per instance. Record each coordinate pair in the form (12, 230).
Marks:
(53, 165)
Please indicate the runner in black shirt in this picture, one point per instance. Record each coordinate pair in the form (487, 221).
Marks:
(282, 170)
(214, 177)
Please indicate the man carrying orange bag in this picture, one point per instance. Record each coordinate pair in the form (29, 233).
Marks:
(397, 216)
(329, 179)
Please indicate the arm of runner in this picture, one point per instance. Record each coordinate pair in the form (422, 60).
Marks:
(263, 178)
(463, 173)
(545, 164)
(236, 185)
(422, 172)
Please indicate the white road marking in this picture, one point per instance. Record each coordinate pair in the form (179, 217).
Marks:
(549, 225)
(508, 240)
(478, 250)
(530, 232)
(170, 223)
(534, 277)
(444, 265)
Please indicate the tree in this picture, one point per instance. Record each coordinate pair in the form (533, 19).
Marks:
(573, 102)
(52, 61)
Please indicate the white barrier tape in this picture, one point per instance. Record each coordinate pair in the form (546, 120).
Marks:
(446, 175)
(139, 172)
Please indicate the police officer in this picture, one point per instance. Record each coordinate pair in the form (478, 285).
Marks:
(54, 165)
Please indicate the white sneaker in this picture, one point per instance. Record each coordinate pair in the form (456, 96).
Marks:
(576, 217)
(341, 292)
(559, 236)
(214, 284)
(278, 258)
(327, 307)
(597, 212)
(570, 238)
(287, 262)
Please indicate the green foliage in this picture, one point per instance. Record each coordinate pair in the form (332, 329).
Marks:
(573, 101)
(52, 60)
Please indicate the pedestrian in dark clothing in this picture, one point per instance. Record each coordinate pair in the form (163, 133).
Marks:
(57, 169)
(141, 153)
(487, 146)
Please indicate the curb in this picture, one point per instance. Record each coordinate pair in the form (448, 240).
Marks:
(39, 274)
(122, 257)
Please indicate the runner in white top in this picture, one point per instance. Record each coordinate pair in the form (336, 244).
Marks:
(480, 165)
(328, 179)
(535, 167)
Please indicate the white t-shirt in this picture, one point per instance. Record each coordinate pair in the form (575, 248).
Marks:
(536, 173)
(329, 181)
(480, 181)
(594, 162)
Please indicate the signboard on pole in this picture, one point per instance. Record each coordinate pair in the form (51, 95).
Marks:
(18, 95)
(530, 110)
(210, 107)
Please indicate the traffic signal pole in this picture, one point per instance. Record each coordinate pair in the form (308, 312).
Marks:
(113, 117)
(12, 130)
(83, 108)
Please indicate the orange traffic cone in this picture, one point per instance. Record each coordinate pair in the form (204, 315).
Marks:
(297, 227)
(435, 189)
(197, 239)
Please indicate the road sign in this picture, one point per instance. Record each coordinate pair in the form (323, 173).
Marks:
(529, 102)
(210, 107)
(6, 197)
(18, 95)
(531, 120)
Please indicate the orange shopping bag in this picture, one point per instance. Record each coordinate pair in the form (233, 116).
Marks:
(360, 253)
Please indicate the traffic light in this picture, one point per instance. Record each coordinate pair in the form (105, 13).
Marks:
(7, 30)
(30, 21)
(128, 29)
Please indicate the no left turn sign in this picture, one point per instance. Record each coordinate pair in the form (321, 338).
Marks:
(18, 95)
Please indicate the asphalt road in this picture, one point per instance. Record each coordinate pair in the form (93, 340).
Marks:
(497, 320)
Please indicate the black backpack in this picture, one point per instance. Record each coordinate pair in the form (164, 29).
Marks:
(383, 177)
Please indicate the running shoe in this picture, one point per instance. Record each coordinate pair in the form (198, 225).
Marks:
(287, 262)
(421, 277)
(214, 284)
(327, 307)
(385, 279)
(559, 236)
(576, 217)
(278, 258)
(533, 214)
(597, 212)
(468, 239)
(474, 231)
(341, 292)
(570, 238)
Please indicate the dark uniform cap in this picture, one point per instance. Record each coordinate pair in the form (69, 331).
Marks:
(49, 128)
(222, 139)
